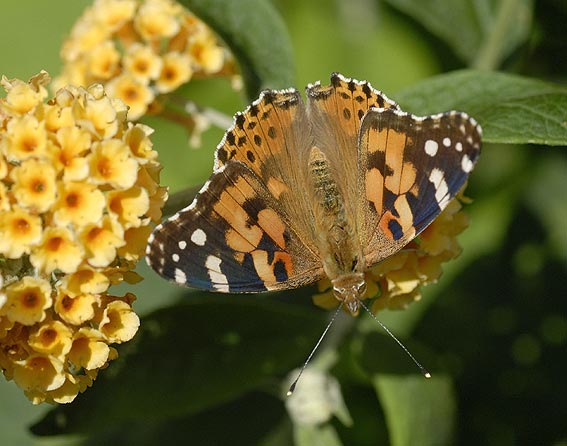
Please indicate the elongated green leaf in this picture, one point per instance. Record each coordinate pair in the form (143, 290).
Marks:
(485, 31)
(417, 411)
(257, 36)
(511, 109)
(191, 357)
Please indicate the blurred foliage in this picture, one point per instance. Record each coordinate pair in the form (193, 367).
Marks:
(209, 370)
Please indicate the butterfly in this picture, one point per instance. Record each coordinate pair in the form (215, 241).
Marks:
(306, 190)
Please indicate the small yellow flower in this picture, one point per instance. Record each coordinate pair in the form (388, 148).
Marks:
(65, 393)
(22, 96)
(34, 185)
(25, 138)
(137, 138)
(133, 248)
(58, 250)
(129, 206)
(89, 350)
(53, 338)
(114, 14)
(72, 144)
(103, 60)
(102, 241)
(119, 323)
(27, 300)
(133, 92)
(207, 55)
(142, 63)
(111, 163)
(75, 310)
(102, 112)
(156, 20)
(176, 71)
(79, 204)
(87, 280)
(19, 231)
(39, 372)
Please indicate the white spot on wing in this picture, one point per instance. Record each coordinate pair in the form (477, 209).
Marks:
(218, 279)
(180, 276)
(466, 164)
(447, 141)
(431, 147)
(175, 257)
(459, 147)
(199, 237)
(182, 244)
(437, 177)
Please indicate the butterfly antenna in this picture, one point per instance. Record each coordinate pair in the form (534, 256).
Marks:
(422, 369)
(292, 387)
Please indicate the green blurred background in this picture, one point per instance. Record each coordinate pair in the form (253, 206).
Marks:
(497, 321)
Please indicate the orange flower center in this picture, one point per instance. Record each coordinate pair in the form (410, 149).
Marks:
(169, 74)
(141, 66)
(67, 303)
(22, 225)
(30, 299)
(29, 144)
(104, 167)
(48, 336)
(54, 243)
(38, 186)
(94, 233)
(72, 200)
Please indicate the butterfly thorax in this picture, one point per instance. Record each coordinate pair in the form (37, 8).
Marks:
(340, 250)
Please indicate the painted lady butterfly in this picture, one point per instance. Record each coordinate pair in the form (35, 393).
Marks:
(303, 191)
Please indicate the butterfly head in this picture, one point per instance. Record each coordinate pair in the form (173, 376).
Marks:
(350, 289)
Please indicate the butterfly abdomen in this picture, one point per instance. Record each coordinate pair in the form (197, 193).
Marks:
(325, 188)
(336, 235)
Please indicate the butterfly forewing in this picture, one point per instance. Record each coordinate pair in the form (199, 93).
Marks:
(409, 169)
(273, 137)
(232, 239)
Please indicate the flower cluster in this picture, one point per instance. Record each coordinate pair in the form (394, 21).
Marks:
(140, 50)
(78, 192)
(396, 281)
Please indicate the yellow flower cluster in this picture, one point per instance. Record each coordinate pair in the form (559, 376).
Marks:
(139, 50)
(78, 191)
(396, 281)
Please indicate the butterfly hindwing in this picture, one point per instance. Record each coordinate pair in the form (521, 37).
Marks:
(232, 239)
(409, 169)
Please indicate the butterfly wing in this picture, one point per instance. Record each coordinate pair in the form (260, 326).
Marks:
(232, 239)
(409, 169)
(273, 137)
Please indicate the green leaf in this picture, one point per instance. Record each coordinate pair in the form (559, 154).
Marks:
(417, 410)
(511, 109)
(480, 32)
(191, 357)
(257, 36)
